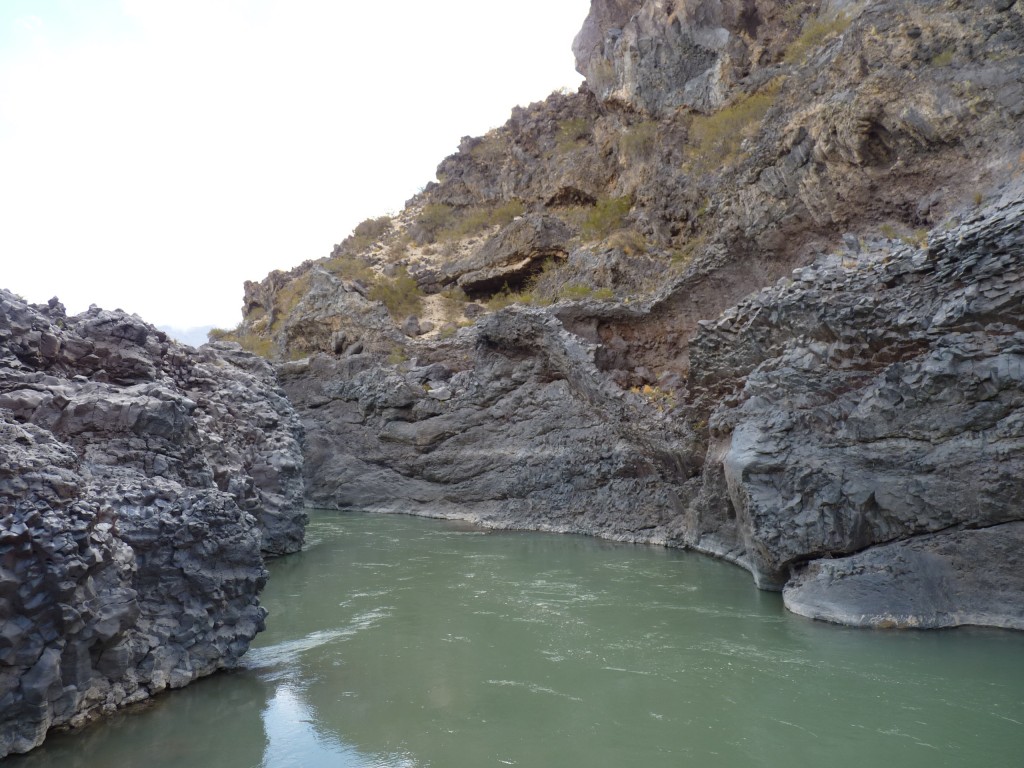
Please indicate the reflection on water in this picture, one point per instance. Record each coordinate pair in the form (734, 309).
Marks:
(399, 642)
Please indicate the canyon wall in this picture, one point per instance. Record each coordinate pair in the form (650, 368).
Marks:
(754, 290)
(141, 482)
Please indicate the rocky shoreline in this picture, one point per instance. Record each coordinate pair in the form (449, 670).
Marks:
(141, 483)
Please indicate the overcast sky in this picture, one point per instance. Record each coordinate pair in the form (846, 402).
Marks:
(154, 154)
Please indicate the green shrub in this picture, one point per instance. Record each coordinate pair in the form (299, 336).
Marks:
(473, 220)
(639, 141)
(578, 292)
(607, 215)
(571, 132)
(814, 33)
(434, 218)
(220, 334)
(943, 59)
(490, 149)
(718, 136)
(629, 241)
(401, 295)
(350, 268)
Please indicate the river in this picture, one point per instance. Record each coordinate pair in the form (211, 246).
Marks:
(396, 642)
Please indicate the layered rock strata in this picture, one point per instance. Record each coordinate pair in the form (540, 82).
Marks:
(805, 425)
(875, 398)
(139, 482)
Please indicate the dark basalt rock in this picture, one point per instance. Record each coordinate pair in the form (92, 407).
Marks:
(868, 401)
(139, 482)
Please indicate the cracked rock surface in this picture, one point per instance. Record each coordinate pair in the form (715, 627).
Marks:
(141, 482)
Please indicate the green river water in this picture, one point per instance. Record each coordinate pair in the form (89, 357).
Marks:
(398, 641)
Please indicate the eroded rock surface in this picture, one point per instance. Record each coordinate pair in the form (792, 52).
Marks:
(941, 580)
(517, 428)
(139, 482)
(875, 398)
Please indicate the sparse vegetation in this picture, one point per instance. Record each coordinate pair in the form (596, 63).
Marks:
(454, 301)
(659, 398)
(601, 76)
(400, 294)
(918, 238)
(366, 233)
(490, 149)
(350, 268)
(472, 220)
(443, 222)
(943, 59)
(629, 241)
(397, 356)
(398, 247)
(288, 297)
(718, 137)
(638, 141)
(506, 297)
(684, 255)
(814, 33)
(571, 133)
(434, 218)
(607, 216)
(888, 231)
(578, 292)
(258, 345)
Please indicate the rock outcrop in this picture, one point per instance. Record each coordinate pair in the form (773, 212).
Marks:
(876, 398)
(516, 428)
(139, 482)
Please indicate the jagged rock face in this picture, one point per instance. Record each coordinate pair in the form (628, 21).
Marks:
(511, 257)
(657, 55)
(139, 481)
(504, 164)
(876, 398)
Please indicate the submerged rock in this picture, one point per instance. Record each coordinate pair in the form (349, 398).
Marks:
(139, 482)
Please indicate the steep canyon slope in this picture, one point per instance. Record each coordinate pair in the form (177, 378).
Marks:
(756, 289)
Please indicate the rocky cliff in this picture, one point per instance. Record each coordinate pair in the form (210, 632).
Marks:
(139, 482)
(754, 290)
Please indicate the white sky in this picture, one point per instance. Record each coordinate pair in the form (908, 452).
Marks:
(154, 154)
